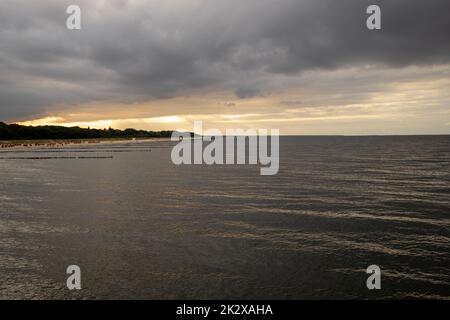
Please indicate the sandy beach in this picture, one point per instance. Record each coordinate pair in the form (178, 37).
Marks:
(21, 144)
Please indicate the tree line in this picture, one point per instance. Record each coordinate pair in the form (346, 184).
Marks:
(19, 132)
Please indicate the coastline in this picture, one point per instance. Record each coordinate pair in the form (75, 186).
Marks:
(61, 143)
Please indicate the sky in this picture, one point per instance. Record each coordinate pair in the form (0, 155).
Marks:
(302, 66)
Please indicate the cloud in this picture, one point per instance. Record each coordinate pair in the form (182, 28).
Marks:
(134, 51)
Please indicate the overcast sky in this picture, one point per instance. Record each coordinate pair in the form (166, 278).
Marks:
(303, 66)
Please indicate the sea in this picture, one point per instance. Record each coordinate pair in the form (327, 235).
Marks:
(140, 227)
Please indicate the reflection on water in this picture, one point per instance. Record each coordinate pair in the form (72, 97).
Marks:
(141, 227)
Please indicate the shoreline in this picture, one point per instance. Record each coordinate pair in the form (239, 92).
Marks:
(61, 143)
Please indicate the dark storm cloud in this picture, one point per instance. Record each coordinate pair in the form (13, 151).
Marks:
(140, 50)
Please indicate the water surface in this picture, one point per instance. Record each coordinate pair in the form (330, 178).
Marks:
(141, 227)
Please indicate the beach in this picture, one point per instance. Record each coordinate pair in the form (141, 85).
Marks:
(60, 143)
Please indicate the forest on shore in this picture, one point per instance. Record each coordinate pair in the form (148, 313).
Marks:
(19, 132)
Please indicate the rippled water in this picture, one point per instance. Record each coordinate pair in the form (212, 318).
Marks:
(141, 227)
